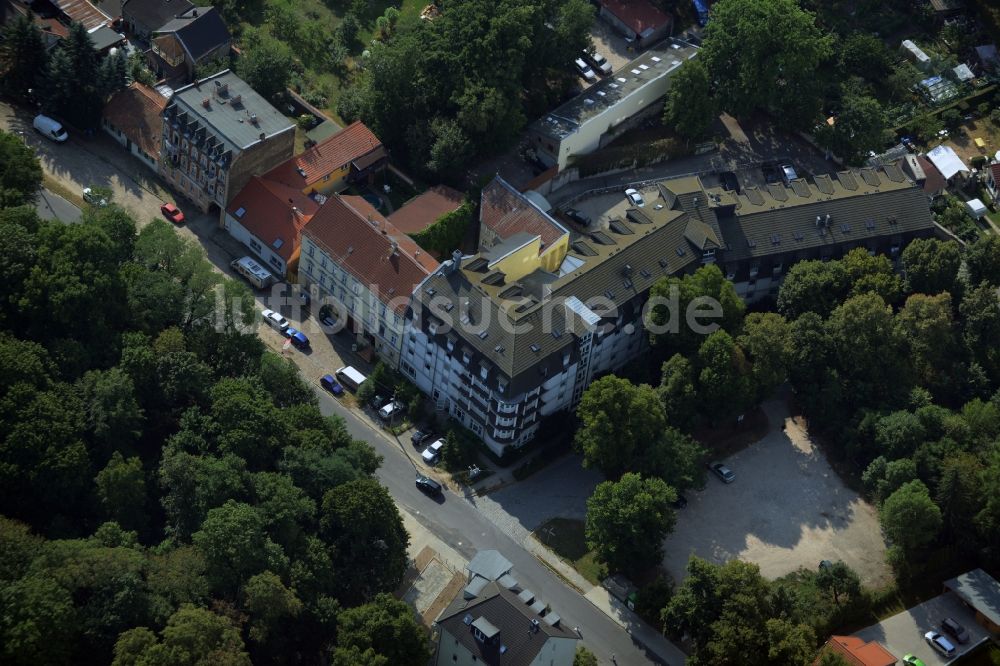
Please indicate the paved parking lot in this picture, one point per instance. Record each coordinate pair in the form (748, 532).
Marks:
(903, 633)
(787, 509)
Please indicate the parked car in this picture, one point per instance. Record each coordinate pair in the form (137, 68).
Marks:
(577, 216)
(788, 173)
(49, 128)
(825, 564)
(725, 474)
(275, 320)
(421, 437)
(433, 452)
(955, 630)
(331, 385)
(599, 62)
(390, 410)
(585, 70)
(429, 486)
(913, 660)
(172, 213)
(93, 198)
(299, 339)
(635, 197)
(377, 401)
(940, 643)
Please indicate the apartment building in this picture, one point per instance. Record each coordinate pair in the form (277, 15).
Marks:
(516, 332)
(217, 134)
(365, 268)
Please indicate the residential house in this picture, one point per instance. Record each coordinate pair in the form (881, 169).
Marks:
(640, 21)
(609, 107)
(352, 155)
(857, 652)
(425, 209)
(268, 217)
(179, 46)
(134, 118)
(922, 171)
(142, 17)
(83, 12)
(51, 28)
(366, 268)
(517, 331)
(993, 180)
(495, 625)
(217, 134)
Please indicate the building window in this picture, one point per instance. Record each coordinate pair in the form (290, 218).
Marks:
(322, 262)
(310, 249)
(255, 245)
(277, 263)
(392, 339)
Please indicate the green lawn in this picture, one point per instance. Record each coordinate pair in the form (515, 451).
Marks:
(565, 538)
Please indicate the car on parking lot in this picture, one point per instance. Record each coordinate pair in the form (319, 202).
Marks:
(172, 213)
(725, 474)
(599, 62)
(299, 339)
(94, 198)
(429, 486)
(940, 643)
(585, 71)
(421, 437)
(433, 452)
(577, 216)
(635, 197)
(331, 385)
(788, 173)
(275, 320)
(955, 630)
(913, 660)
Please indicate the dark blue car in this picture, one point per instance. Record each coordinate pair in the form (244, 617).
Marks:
(297, 337)
(331, 385)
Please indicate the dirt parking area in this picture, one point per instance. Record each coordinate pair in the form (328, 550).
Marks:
(611, 44)
(786, 509)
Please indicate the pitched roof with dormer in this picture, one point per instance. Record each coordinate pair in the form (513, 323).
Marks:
(274, 213)
(137, 111)
(332, 154)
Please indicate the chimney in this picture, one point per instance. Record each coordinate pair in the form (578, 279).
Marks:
(456, 260)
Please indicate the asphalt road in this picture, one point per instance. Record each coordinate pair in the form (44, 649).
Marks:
(458, 523)
(53, 207)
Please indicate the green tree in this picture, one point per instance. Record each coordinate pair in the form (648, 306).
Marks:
(694, 294)
(980, 317)
(20, 172)
(193, 484)
(858, 128)
(927, 326)
(789, 643)
(987, 521)
(910, 518)
(763, 55)
(813, 286)
(121, 489)
(74, 85)
(37, 622)
(616, 418)
(273, 610)
(839, 581)
(448, 231)
(584, 657)
(931, 266)
(23, 57)
(627, 521)
(674, 457)
(766, 340)
(236, 547)
(872, 274)
(450, 148)
(678, 393)
(690, 107)
(958, 495)
(113, 414)
(361, 523)
(982, 259)
(192, 637)
(285, 508)
(725, 386)
(388, 627)
(266, 64)
(865, 55)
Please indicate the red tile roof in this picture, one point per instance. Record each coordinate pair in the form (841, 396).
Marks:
(424, 210)
(639, 15)
(272, 211)
(369, 247)
(81, 11)
(995, 171)
(507, 212)
(327, 156)
(137, 111)
(857, 652)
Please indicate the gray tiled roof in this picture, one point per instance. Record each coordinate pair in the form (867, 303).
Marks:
(496, 609)
(489, 564)
(230, 120)
(201, 30)
(154, 13)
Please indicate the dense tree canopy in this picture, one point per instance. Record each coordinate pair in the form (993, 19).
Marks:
(20, 172)
(627, 521)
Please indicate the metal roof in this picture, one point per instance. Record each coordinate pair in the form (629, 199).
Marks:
(980, 590)
(489, 564)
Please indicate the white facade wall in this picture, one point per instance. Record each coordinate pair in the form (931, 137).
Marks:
(555, 652)
(151, 161)
(360, 301)
(271, 259)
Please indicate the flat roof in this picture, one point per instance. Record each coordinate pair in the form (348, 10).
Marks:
(658, 61)
(980, 590)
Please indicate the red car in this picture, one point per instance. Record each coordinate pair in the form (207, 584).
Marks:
(172, 213)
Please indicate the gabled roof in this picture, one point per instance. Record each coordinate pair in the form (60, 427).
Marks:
(518, 633)
(334, 153)
(364, 243)
(947, 161)
(995, 171)
(425, 209)
(200, 29)
(639, 15)
(857, 652)
(137, 111)
(274, 213)
(154, 13)
(489, 564)
(507, 212)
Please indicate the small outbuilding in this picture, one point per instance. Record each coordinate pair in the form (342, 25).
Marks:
(962, 73)
(947, 161)
(976, 208)
(981, 592)
(915, 54)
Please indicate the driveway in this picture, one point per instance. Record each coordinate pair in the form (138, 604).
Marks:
(787, 509)
(903, 633)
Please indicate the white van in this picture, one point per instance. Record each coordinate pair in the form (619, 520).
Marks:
(254, 273)
(350, 377)
(49, 128)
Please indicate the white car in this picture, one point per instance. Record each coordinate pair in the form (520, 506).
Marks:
(599, 62)
(93, 198)
(433, 452)
(275, 320)
(585, 70)
(634, 197)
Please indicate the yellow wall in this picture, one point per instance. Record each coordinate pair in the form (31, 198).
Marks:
(519, 263)
(334, 184)
(552, 257)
